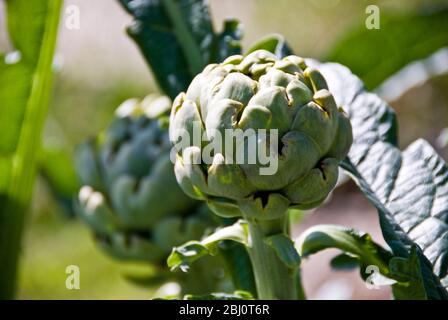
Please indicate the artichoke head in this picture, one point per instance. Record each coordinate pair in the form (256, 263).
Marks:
(130, 198)
(270, 99)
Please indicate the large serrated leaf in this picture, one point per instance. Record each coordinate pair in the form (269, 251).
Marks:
(412, 187)
(409, 189)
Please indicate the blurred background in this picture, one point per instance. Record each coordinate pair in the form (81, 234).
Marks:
(99, 67)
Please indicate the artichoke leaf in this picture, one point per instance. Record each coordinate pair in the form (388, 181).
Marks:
(183, 256)
(409, 189)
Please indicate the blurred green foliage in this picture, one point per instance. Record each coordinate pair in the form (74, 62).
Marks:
(374, 55)
(82, 108)
(53, 240)
(52, 244)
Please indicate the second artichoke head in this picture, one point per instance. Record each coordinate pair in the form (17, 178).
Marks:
(130, 198)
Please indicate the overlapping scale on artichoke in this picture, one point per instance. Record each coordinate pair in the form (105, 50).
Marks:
(130, 198)
(259, 91)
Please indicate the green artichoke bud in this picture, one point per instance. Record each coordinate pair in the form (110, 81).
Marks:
(289, 113)
(130, 198)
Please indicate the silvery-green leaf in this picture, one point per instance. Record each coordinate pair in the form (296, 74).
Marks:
(409, 189)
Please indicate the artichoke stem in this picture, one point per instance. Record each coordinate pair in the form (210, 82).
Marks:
(274, 280)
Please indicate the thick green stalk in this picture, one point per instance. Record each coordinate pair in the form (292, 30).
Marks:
(16, 200)
(274, 279)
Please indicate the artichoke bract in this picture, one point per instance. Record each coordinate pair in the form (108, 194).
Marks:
(130, 198)
(268, 100)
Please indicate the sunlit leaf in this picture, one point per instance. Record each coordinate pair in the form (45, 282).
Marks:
(25, 86)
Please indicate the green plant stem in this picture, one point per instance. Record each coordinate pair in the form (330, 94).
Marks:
(274, 279)
(16, 200)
